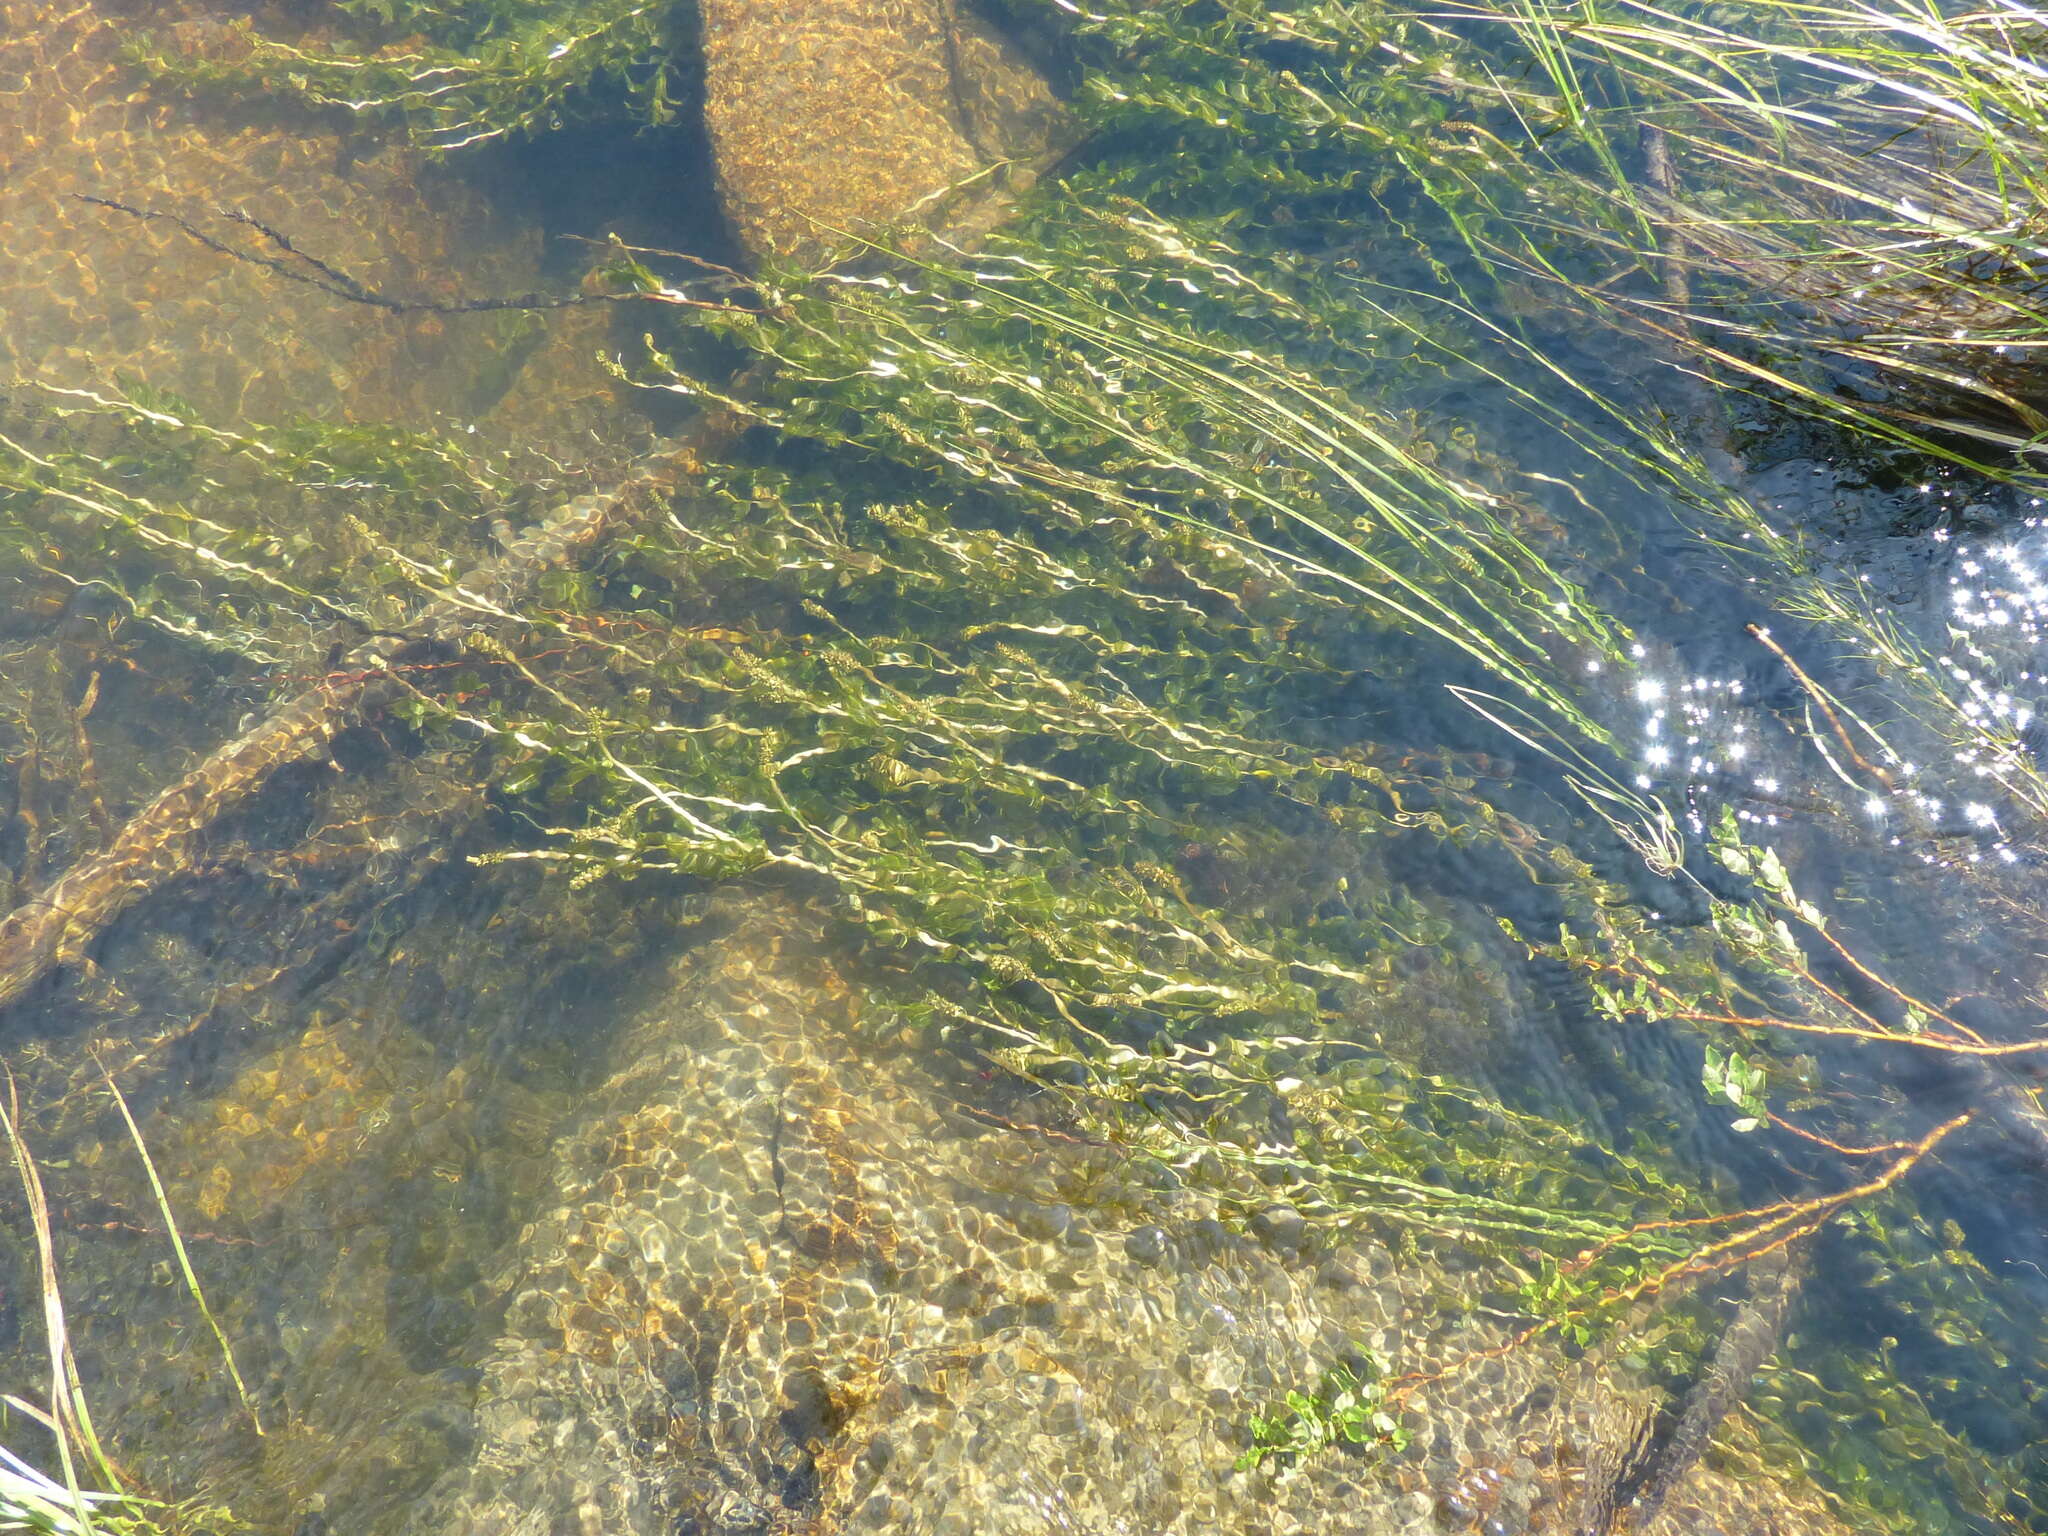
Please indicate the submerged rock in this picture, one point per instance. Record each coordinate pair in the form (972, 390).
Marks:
(830, 115)
(93, 297)
(778, 1284)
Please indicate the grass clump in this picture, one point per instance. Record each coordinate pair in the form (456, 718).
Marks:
(89, 1496)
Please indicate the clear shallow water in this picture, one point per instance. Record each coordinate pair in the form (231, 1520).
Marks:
(526, 1204)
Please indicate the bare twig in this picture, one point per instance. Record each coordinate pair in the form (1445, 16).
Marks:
(298, 266)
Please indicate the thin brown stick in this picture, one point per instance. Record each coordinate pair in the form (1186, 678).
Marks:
(1820, 699)
(88, 767)
(1849, 959)
(1674, 1007)
(299, 266)
(1844, 1148)
(1944, 1043)
(1804, 1216)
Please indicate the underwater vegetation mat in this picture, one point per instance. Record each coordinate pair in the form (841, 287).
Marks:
(1018, 118)
(1075, 633)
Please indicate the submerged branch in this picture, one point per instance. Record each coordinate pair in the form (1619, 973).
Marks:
(299, 266)
(1631, 1475)
(56, 926)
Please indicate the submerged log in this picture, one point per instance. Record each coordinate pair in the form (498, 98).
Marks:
(1752, 1338)
(56, 926)
(897, 102)
(1633, 1476)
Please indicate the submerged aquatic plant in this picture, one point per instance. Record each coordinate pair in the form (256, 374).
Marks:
(1856, 185)
(1853, 184)
(244, 542)
(450, 77)
(1347, 1407)
(30, 1501)
(1082, 625)
(89, 1496)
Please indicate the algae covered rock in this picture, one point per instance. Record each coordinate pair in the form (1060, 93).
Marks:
(785, 1281)
(827, 115)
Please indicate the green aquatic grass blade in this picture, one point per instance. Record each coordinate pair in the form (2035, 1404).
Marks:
(163, 1205)
(69, 1421)
(1296, 420)
(31, 1501)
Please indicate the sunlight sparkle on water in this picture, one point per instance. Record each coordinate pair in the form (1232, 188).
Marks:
(1698, 737)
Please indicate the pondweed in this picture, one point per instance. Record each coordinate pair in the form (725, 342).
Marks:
(1099, 621)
